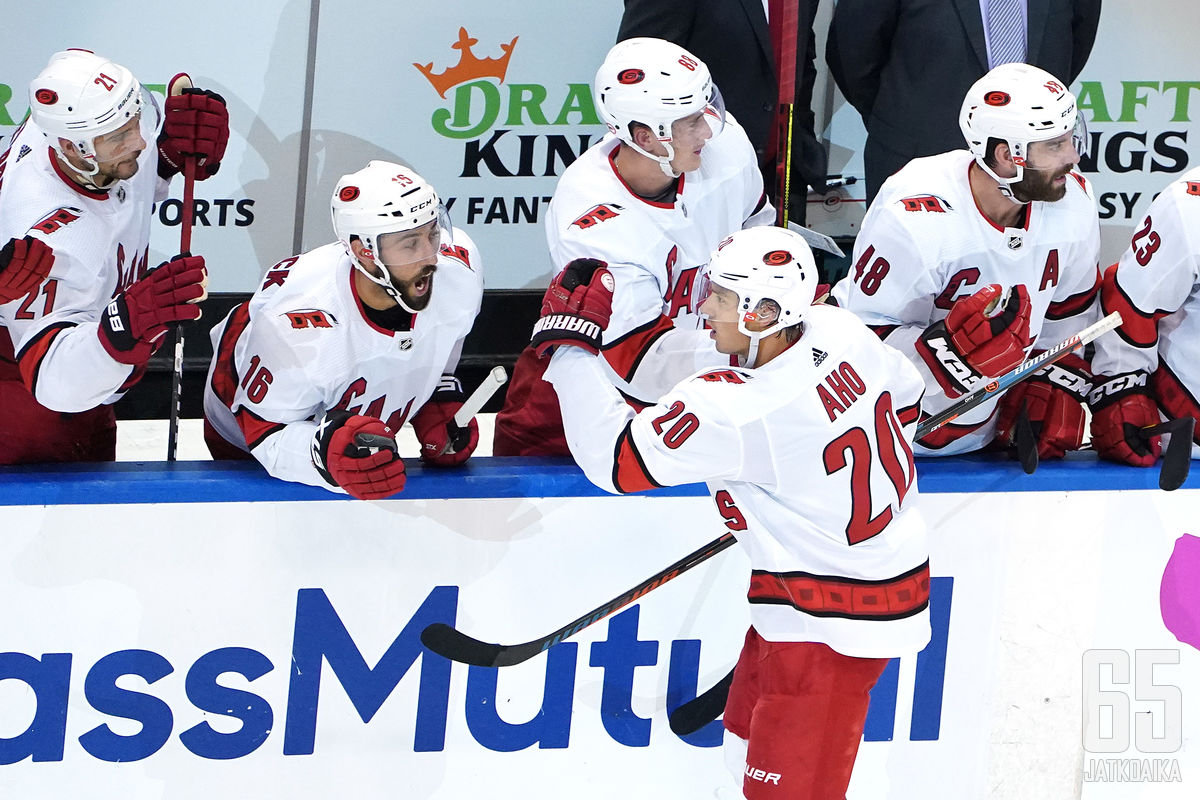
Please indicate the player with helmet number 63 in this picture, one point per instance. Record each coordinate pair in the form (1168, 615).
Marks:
(340, 346)
(812, 379)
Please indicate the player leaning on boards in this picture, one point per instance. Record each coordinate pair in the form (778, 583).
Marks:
(653, 198)
(840, 579)
(1154, 362)
(81, 314)
(351, 340)
(949, 234)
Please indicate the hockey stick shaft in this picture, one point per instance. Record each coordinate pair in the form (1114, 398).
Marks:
(786, 35)
(187, 218)
(456, 646)
(472, 406)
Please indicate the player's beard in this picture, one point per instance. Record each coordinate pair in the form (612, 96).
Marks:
(1039, 185)
(110, 172)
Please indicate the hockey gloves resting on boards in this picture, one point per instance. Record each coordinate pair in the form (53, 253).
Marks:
(576, 307)
(1121, 407)
(358, 454)
(134, 322)
(1054, 397)
(443, 442)
(976, 340)
(195, 123)
(24, 264)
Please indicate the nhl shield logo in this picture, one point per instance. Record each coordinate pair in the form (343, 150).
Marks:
(120, 194)
(1015, 240)
(405, 343)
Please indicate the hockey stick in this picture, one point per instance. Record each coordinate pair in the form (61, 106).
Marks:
(1177, 457)
(457, 646)
(459, 433)
(176, 87)
(785, 64)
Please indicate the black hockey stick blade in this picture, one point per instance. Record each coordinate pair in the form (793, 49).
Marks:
(1026, 442)
(455, 645)
(702, 709)
(1177, 458)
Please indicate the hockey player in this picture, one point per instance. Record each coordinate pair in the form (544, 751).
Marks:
(840, 579)
(81, 315)
(674, 176)
(949, 236)
(314, 374)
(1152, 363)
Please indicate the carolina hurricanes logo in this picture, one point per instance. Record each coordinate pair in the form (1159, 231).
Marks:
(348, 193)
(46, 97)
(777, 258)
(724, 242)
(997, 98)
(631, 76)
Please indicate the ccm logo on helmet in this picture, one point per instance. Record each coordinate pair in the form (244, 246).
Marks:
(348, 193)
(46, 97)
(777, 258)
(631, 76)
(997, 98)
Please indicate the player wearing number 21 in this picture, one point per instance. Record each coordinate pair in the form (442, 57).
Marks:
(968, 259)
(806, 447)
(80, 314)
(340, 346)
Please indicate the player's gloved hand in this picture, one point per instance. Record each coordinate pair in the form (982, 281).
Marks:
(1054, 397)
(576, 307)
(24, 264)
(136, 319)
(195, 123)
(976, 341)
(435, 429)
(1121, 406)
(358, 454)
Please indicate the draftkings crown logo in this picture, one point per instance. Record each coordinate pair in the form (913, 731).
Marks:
(469, 66)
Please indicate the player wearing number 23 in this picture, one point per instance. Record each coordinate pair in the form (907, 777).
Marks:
(968, 260)
(342, 345)
(806, 447)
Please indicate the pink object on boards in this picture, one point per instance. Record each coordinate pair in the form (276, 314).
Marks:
(1179, 594)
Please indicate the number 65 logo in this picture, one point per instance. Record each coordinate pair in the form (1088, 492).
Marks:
(1158, 721)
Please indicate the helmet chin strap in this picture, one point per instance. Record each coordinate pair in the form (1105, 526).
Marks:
(752, 353)
(664, 162)
(387, 284)
(87, 175)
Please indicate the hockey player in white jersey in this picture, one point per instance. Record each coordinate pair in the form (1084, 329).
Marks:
(674, 176)
(340, 346)
(1154, 361)
(806, 448)
(80, 313)
(950, 235)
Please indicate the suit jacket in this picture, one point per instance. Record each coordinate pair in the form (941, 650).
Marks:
(906, 65)
(732, 38)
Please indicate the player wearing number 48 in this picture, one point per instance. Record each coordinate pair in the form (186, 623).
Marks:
(342, 345)
(80, 314)
(840, 579)
(971, 261)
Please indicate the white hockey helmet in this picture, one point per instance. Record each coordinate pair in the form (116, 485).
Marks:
(655, 82)
(773, 274)
(379, 199)
(80, 96)
(1018, 104)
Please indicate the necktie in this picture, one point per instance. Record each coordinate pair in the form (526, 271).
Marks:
(1006, 31)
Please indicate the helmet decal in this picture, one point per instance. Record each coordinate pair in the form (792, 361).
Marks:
(997, 98)
(777, 258)
(46, 97)
(348, 193)
(631, 76)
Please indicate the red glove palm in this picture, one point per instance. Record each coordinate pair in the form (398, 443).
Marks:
(135, 320)
(195, 123)
(24, 264)
(435, 429)
(358, 454)
(1121, 407)
(576, 307)
(969, 345)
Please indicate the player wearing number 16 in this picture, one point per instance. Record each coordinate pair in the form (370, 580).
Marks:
(970, 261)
(807, 449)
(80, 312)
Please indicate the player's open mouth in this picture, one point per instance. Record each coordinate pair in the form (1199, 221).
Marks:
(421, 285)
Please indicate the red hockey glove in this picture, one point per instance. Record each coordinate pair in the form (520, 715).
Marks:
(135, 320)
(1121, 405)
(575, 308)
(968, 345)
(1054, 396)
(24, 264)
(195, 123)
(435, 429)
(358, 454)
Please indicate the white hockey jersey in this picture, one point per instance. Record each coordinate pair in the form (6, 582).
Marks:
(924, 244)
(302, 345)
(808, 458)
(1154, 286)
(100, 242)
(655, 250)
